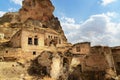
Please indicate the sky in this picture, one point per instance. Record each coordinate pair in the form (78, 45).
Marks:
(95, 21)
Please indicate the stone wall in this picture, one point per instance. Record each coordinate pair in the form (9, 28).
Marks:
(81, 48)
(116, 57)
(95, 62)
(30, 55)
(10, 53)
(109, 57)
(31, 34)
(16, 40)
(49, 37)
(106, 52)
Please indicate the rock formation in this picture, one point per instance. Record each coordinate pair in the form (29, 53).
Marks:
(12, 17)
(37, 9)
(33, 11)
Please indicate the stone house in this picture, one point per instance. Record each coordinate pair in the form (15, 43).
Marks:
(91, 62)
(81, 48)
(10, 54)
(96, 58)
(32, 42)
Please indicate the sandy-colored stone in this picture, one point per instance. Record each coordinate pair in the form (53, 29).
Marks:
(36, 9)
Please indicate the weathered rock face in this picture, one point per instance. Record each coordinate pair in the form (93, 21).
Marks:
(56, 67)
(47, 64)
(36, 9)
(12, 17)
(41, 65)
(39, 12)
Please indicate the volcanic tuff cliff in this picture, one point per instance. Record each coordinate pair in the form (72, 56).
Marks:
(37, 9)
(34, 12)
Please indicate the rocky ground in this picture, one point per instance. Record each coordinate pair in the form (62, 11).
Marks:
(45, 66)
(11, 71)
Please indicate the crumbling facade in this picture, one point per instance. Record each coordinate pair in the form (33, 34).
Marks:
(92, 58)
(81, 48)
(116, 58)
(31, 42)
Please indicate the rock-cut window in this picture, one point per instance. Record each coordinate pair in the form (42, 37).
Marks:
(34, 53)
(35, 41)
(78, 48)
(118, 64)
(30, 41)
